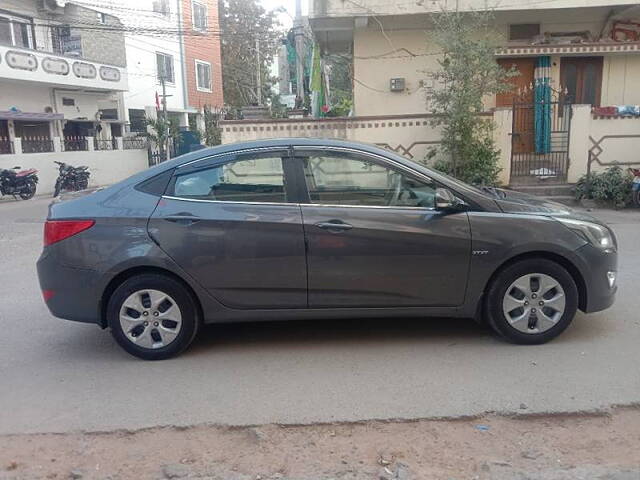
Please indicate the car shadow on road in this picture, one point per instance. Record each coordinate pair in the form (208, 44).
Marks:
(431, 332)
(89, 343)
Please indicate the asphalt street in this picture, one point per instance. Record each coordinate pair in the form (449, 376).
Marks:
(60, 376)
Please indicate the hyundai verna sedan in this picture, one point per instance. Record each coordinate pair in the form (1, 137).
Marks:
(313, 229)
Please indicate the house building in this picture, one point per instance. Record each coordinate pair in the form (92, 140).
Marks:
(56, 78)
(594, 47)
(589, 51)
(175, 42)
(62, 77)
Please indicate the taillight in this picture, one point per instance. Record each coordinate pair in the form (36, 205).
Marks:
(56, 230)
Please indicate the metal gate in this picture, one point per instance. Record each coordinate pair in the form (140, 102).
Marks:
(540, 137)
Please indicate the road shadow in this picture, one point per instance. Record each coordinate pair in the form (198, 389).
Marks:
(90, 343)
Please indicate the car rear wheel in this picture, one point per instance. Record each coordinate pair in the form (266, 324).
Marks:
(531, 301)
(152, 316)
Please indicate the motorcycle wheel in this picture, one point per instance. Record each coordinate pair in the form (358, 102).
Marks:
(28, 191)
(56, 190)
(83, 184)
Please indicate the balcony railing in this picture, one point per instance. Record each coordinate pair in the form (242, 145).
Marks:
(36, 145)
(134, 143)
(6, 146)
(108, 144)
(23, 64)
(75, 144)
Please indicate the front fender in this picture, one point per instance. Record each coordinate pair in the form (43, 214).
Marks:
(497, 238)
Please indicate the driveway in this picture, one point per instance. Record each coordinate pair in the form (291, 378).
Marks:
(60, 376)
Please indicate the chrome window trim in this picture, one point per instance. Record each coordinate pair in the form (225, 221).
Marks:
(284, 204)
(303, 148)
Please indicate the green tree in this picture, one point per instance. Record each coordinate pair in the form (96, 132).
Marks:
(468, 73)
(162, 131)
(212, 130)
(340, 85)
(242, 24)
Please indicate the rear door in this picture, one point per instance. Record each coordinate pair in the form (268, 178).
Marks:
(374, 237)
(232, 223)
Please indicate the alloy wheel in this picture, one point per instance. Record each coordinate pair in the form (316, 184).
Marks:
(534, 303)
(150, 319)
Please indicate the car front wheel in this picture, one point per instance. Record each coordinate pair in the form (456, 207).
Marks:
(152, 316)
(531, 301)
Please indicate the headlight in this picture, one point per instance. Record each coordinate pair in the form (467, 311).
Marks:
(597, 235)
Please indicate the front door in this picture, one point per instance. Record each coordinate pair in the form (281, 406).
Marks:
(230, 224)
(582, 77)
(521, 97)
(525, 67)
(374, 238)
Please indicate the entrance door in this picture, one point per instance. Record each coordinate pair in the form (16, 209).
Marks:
(526, 67)
(525, 121)
(228, 222)
(582, 77)
(374, 237)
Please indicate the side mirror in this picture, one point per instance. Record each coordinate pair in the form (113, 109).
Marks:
(445, 200)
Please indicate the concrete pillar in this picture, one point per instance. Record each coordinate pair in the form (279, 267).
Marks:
(90, 145)
(579, 142)
(119, 143)
(17, 145)
(183, 119)
(503, 119)
(57, 144)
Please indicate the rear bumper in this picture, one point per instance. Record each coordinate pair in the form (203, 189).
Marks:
(73, 293)
(600, 295)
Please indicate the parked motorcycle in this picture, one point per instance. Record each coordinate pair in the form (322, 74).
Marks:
(71, 178)
(19, 184)
(635, 189)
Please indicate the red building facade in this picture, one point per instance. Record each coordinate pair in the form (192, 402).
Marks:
(202, 53)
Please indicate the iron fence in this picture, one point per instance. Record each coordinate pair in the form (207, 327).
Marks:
(75, 144)
(108, 144)
(134, 143)
(6, 146)
(540, 140)
(37, 145)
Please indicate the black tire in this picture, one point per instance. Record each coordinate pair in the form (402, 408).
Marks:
(497, 290)
(29, 191)
(56, 190)
(178, 292)
(83, 184)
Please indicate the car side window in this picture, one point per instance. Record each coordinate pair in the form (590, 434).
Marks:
(343, 180)
(247, 180)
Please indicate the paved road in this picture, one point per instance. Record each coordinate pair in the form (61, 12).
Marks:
(60, 376)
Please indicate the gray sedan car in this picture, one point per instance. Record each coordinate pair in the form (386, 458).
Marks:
(313, 229)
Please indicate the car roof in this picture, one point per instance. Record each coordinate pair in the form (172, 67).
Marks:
(275, 143)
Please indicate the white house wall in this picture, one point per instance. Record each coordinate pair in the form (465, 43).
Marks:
(338, 8)
(143, 80)
(25, 96)
(106, 167)
(379, 56)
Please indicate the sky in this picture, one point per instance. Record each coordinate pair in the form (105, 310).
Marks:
(286, 18)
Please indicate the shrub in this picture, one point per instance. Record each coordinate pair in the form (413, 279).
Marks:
(478, 163)
(613, 186)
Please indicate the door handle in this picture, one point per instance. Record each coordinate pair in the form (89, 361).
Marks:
(335, 225)
(182, 219)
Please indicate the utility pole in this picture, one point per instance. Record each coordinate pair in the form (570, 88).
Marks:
(298, 29)
(258, 73)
